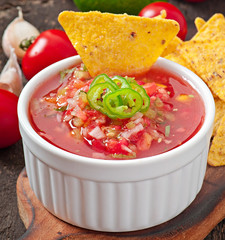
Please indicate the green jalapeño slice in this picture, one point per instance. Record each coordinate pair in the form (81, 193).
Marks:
(121, 82)
(103, 78)
(146, 98)
(131, 103)
(96, 95)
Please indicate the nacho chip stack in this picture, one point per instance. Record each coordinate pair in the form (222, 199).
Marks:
(204, 54)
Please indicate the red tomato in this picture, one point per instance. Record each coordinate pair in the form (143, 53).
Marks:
(9, 127)
(49, 47)
(154, 9)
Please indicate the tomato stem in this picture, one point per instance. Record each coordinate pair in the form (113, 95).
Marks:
(25, 43)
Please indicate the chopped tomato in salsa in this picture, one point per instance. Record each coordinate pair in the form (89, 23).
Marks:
(61, 113)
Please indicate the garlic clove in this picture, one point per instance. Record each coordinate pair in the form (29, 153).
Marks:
(17, 31)
(11, 76)
(6, 87)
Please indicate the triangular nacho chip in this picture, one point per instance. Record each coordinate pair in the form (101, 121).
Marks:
(178, 58)
(217, 151)
(213, 29)
(117, 44)
(208, 61)
(199, 23)
(172, 46)
(220, 112)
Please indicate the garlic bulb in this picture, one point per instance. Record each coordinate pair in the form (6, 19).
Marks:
(17, 31)
(11, 76)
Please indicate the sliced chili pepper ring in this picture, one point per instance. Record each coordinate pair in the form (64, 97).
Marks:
(146, 98)
(121, 82)
(102, 78)
(132, 102)
(96, 94)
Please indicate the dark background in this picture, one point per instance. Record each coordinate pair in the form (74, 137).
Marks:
(43, 14)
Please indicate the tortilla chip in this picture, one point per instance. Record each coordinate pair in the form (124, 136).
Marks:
(220, 112)
(199, 23)
(213, 29)
(204, 54)
(207, 58)
(117, 43)
(177, 57)
(163, 14)
(216, 155)
(172, 46)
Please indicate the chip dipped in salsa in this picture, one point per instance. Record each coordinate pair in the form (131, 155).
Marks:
(115, 117)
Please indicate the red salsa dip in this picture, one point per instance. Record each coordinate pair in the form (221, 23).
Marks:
(63, 112)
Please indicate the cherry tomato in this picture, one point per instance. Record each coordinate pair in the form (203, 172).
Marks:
(154, 9)
(9, 127)
(49, 47)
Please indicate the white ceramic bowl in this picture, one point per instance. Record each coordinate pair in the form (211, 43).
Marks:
(109, 195)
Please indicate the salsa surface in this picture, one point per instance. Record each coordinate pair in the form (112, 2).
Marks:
(61, 114)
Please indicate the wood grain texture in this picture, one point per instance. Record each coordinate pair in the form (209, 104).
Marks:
(195, 223)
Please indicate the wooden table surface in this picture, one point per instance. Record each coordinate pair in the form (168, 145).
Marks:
(43, 14)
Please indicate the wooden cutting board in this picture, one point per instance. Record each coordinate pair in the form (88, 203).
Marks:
(195, 223)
